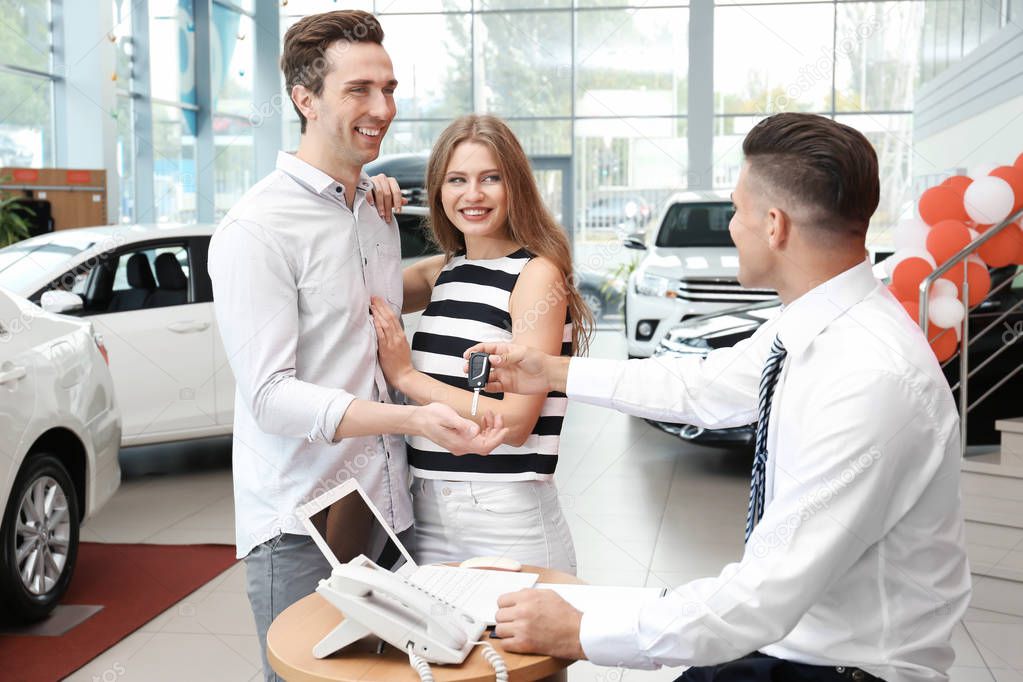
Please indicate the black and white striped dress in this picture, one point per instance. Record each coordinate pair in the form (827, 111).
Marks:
(469, 305)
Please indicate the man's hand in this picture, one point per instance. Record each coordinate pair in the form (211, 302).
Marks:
(386, 196)
(514, 368)
(457, 435)
(539, 622)
(392, 344)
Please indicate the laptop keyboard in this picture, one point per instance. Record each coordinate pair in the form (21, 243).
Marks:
(448, 583)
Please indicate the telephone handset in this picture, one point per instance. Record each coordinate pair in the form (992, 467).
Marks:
(376, 601)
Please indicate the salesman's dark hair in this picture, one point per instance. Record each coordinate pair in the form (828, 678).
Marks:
(304, 58)
(821, 164)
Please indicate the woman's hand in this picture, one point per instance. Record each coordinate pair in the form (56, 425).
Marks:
(456, 434)
(392, 345)
(386, 196)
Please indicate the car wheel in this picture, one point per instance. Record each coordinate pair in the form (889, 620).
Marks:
(595, 303)
(39, 538)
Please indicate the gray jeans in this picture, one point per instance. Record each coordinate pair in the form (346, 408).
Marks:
(281, 571)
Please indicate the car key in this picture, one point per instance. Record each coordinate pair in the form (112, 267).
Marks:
(479, 374)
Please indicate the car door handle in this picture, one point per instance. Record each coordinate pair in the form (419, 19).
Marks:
(12, 374)
(188, 327)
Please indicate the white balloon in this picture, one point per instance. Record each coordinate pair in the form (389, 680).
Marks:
(945, 312)
(943, 288)
(911, 234)
(988, 200)
(973, 233)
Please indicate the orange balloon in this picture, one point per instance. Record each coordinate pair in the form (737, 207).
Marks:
(958, 182)
(1002, 249)
(907, 275)
(912, 309)
(943, 342)
(978, 279)
(943, 202)
(1013, 176)
(1019, 162)
(946, 239)
(1019, 253)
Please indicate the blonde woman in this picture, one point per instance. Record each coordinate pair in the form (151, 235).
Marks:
(505, 274)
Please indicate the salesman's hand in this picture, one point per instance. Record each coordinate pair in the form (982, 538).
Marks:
(458, 435)
(386, 196)
(514, 368)
(539, 622)
(392, 344)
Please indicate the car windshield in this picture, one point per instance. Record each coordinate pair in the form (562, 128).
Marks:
(689, 224)
(22, 264)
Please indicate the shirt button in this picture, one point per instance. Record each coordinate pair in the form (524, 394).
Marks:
(446, 492)
(338, 189)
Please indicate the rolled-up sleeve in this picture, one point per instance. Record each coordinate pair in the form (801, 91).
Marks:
(255, 297)
(866, 472)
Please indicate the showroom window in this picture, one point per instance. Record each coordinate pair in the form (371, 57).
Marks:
(232, 56)
(124, 115)
(27, 84)
(174, 110)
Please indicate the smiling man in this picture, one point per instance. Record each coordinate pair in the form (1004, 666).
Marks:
(294, 265)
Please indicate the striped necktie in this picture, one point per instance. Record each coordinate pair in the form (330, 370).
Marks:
(768, 380)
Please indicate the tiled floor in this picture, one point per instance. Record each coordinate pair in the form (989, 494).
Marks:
(644, 510)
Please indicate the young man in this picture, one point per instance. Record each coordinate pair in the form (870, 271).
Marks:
(294, 265)
(854, 567)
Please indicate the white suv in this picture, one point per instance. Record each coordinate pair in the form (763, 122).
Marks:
(690, 268)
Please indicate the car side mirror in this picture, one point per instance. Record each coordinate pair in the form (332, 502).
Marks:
(635, 241)
(56, 301)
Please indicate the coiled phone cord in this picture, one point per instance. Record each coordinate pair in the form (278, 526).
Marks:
(419, 665)
(489, 652)
(495, 661)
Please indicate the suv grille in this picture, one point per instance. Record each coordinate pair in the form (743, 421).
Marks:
(720, 290)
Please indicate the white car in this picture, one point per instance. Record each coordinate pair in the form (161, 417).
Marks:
(690, 268)
(60, 431)
(146, 290)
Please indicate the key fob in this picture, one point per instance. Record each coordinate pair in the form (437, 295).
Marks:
(479, 370)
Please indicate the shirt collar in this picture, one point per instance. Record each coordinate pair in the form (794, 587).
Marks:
(810, 314)
(313, 178)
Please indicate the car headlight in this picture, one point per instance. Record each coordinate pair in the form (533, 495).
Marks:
(682, 346)
(654, 285)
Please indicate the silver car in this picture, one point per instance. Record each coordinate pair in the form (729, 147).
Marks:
(60, 431)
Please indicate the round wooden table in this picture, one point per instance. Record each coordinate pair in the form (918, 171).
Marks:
(290, 640)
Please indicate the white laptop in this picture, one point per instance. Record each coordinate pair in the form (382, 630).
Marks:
(344, 523)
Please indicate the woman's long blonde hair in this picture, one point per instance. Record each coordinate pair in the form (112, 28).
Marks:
(530, 224)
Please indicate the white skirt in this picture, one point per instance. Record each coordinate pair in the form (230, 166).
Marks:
(521, 520)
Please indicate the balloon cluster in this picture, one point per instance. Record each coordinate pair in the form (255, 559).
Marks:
(952, 215)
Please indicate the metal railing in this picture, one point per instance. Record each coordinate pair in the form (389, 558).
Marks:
(965, 339)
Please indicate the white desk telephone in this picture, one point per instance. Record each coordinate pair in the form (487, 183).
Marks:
(376, 601)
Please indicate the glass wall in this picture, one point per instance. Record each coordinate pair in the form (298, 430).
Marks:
(857, 62)
(954, 28)
(174, 108)
(26, 108)
(232, 57)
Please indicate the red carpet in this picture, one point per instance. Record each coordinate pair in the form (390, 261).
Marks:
(134, 583)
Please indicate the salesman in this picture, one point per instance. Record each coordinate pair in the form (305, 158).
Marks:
(854, 566)
(294, 265)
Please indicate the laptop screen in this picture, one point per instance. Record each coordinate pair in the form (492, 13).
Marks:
(344, 523)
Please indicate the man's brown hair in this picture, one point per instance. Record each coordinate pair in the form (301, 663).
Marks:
(823, 165)
(304, 59)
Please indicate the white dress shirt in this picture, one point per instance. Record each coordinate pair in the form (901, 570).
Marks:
(859, 559)
(293, 269)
